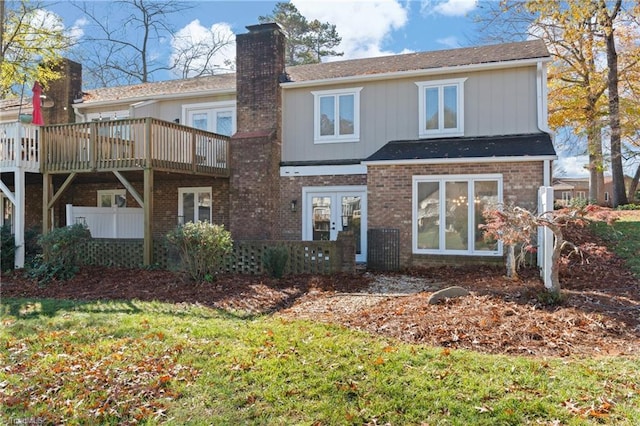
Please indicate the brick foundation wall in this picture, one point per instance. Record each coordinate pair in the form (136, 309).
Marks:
(390, 205)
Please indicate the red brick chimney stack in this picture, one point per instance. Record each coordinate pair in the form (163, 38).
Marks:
(256, 147)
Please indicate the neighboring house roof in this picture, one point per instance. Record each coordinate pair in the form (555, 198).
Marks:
(196, 85)
(532, 49)
(529, 145)
(11, 108)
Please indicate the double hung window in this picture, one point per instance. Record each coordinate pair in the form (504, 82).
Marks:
(441, 108)
(337, 115)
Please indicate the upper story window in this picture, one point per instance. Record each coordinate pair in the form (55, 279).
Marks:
(441, 108)
(337, 115)
(216, 117)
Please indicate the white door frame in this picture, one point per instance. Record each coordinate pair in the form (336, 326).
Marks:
(335, 192)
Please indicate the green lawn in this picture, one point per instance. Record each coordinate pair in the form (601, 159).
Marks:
(624, 237)
(127, 362)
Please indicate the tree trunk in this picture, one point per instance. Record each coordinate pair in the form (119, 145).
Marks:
(596, 164)
(634, 186)
(512, 271)
(617, 172)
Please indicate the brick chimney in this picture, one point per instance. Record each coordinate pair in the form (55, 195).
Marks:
(60, 93)
(256, 147)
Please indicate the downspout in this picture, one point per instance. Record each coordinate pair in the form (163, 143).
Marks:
(541, 89)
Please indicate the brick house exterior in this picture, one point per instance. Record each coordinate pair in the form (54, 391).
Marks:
(404, 142)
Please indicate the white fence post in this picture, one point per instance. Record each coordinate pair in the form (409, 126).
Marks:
(545, 236)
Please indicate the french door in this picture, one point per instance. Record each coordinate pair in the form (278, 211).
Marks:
(329, 210)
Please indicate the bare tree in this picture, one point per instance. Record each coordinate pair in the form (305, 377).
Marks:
(204, 52)
(118, 53)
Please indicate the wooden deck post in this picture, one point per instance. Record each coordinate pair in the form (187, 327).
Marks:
(148, 198)
(47, 189)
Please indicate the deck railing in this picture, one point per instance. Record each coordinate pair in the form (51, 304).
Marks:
(133, 144)
(19, 146)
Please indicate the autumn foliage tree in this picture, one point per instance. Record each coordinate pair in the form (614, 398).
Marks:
(29, 37)
(517, 226)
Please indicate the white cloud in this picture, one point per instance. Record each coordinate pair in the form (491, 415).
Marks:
(76, 32)
(363, 25)
(574, 166)
(448, 7)
(192, 43)
(450, 42)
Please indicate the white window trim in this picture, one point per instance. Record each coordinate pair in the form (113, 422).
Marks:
(317, 138)
(112, 193)
(441, 179)
(211, 107)
(440, 131)
(194, 190)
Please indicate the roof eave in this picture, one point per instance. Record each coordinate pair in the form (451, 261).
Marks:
(416, 161)
(416, 73)
(168, 96)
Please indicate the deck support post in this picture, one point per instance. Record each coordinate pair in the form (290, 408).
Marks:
(148, 217)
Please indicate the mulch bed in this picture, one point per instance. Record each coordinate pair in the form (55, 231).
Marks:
(600, 313)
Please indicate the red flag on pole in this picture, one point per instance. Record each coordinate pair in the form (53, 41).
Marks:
(37, 104)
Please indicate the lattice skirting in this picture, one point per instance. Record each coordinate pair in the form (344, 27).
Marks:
(305, 257)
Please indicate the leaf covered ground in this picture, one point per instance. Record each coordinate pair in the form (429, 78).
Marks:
(599, 313)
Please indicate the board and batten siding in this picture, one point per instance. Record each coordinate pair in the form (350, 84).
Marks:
(496, 102)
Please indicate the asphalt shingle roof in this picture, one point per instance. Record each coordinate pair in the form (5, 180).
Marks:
(534, 144)
(420, 61)
(328, 70)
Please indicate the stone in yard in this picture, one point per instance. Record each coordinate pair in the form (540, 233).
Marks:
(447, 293)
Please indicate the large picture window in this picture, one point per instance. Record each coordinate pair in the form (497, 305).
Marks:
(194, 204)
(337, 115)
(441, 108)
(447, 211)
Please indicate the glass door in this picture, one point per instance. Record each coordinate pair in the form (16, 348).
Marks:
(328, 212)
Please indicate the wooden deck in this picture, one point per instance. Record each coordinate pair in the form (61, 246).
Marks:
(133, 144)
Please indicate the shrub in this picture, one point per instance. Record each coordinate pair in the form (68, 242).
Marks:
(629, 207)
(7, 248)
(60, 253)
(275, 260)
(203, 248)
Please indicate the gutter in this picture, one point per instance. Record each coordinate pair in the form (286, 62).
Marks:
(415, 73)
(543, 115)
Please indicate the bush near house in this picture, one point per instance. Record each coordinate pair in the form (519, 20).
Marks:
(275, 260)
(7, 248)
(61, 250)
(203, 248)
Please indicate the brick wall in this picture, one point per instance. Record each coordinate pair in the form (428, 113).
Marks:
(255, 150)
(390, 205)
(165, 207)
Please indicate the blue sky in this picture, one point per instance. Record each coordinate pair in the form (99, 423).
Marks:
(368, 28)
